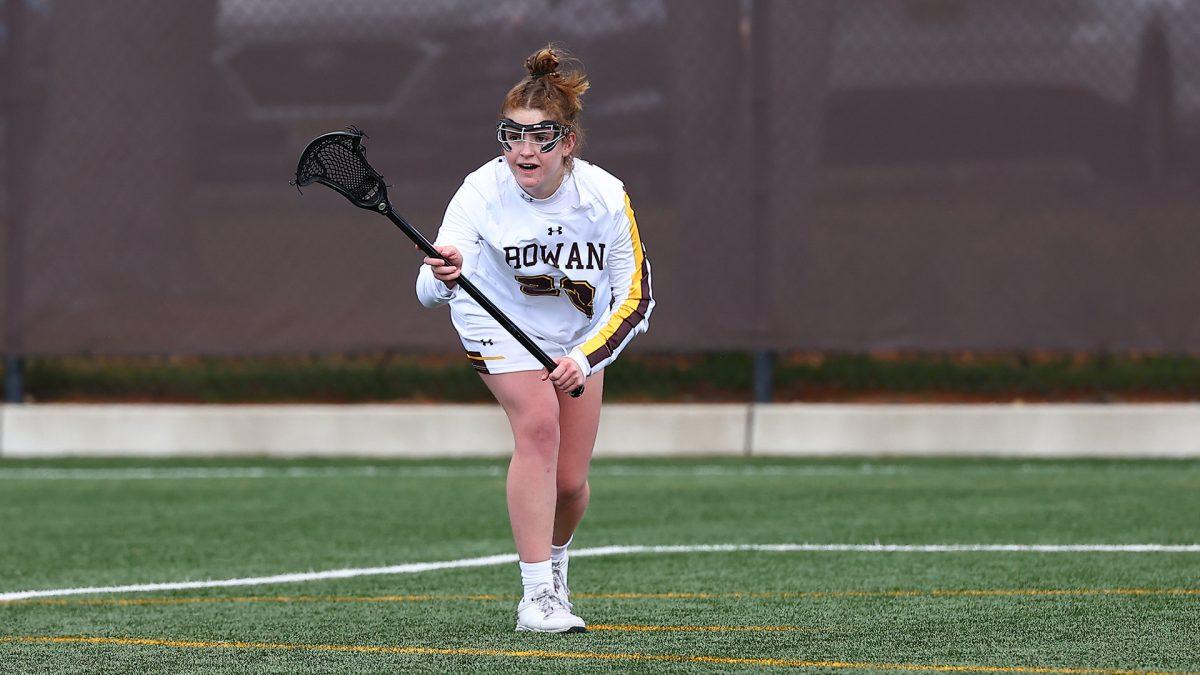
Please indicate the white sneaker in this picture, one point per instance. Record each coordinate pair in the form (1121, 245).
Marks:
(559, 572)
(545, 612)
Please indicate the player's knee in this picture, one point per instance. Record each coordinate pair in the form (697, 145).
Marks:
(571, 488)
(538, 434)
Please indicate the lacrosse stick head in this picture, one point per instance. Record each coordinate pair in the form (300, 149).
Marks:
(336, 159)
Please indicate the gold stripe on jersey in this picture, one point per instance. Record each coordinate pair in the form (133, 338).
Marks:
(632, 310)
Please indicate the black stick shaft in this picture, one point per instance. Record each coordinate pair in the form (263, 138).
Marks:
(423, 243)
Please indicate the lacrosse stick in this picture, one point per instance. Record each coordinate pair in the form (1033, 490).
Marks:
(336, 160)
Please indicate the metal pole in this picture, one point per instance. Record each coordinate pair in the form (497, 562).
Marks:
(764, 375)
(759, 62)
(14, 379)
(793, 45)
(15, 125)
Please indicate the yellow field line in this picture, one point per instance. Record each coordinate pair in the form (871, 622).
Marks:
(1015, 592)
(782, 595)
(696, 629)
(545, 654)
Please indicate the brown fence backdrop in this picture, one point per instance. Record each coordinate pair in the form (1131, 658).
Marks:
(807, 174)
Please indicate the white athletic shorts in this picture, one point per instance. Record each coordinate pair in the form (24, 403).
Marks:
(498, 352)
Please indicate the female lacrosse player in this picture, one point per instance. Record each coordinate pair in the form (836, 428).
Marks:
(552, 241)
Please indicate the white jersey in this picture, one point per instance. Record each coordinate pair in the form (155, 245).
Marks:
(569, 270)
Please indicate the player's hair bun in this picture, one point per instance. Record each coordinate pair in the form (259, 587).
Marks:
(542, 63)
(566, 86)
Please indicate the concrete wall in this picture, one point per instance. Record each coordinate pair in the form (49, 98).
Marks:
(1168, 430)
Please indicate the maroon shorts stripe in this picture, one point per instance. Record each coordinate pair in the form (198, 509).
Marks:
(477, 361)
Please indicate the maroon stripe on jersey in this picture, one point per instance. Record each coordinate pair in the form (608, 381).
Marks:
(628, 323)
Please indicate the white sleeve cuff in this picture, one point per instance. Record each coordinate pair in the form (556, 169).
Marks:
(577, 356)
(443, 291)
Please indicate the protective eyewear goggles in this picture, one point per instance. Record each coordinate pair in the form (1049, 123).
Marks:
(544, 135)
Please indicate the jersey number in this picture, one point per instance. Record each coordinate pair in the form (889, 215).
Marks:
(580, 293)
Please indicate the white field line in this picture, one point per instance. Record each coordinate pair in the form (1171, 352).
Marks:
(487, 561)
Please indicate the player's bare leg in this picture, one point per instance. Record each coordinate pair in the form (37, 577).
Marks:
(579, 421)
(533, 414)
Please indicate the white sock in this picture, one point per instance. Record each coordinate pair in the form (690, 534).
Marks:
(559, 553)
(534, 575)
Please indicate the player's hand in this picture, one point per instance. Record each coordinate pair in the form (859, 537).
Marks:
(567, 376)
(448, 267)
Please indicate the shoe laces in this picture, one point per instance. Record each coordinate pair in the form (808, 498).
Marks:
(549, 603)
(560, 586)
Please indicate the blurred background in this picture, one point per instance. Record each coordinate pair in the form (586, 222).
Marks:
(868, 199)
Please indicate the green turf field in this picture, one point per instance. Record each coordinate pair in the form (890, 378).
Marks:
(85, 524)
